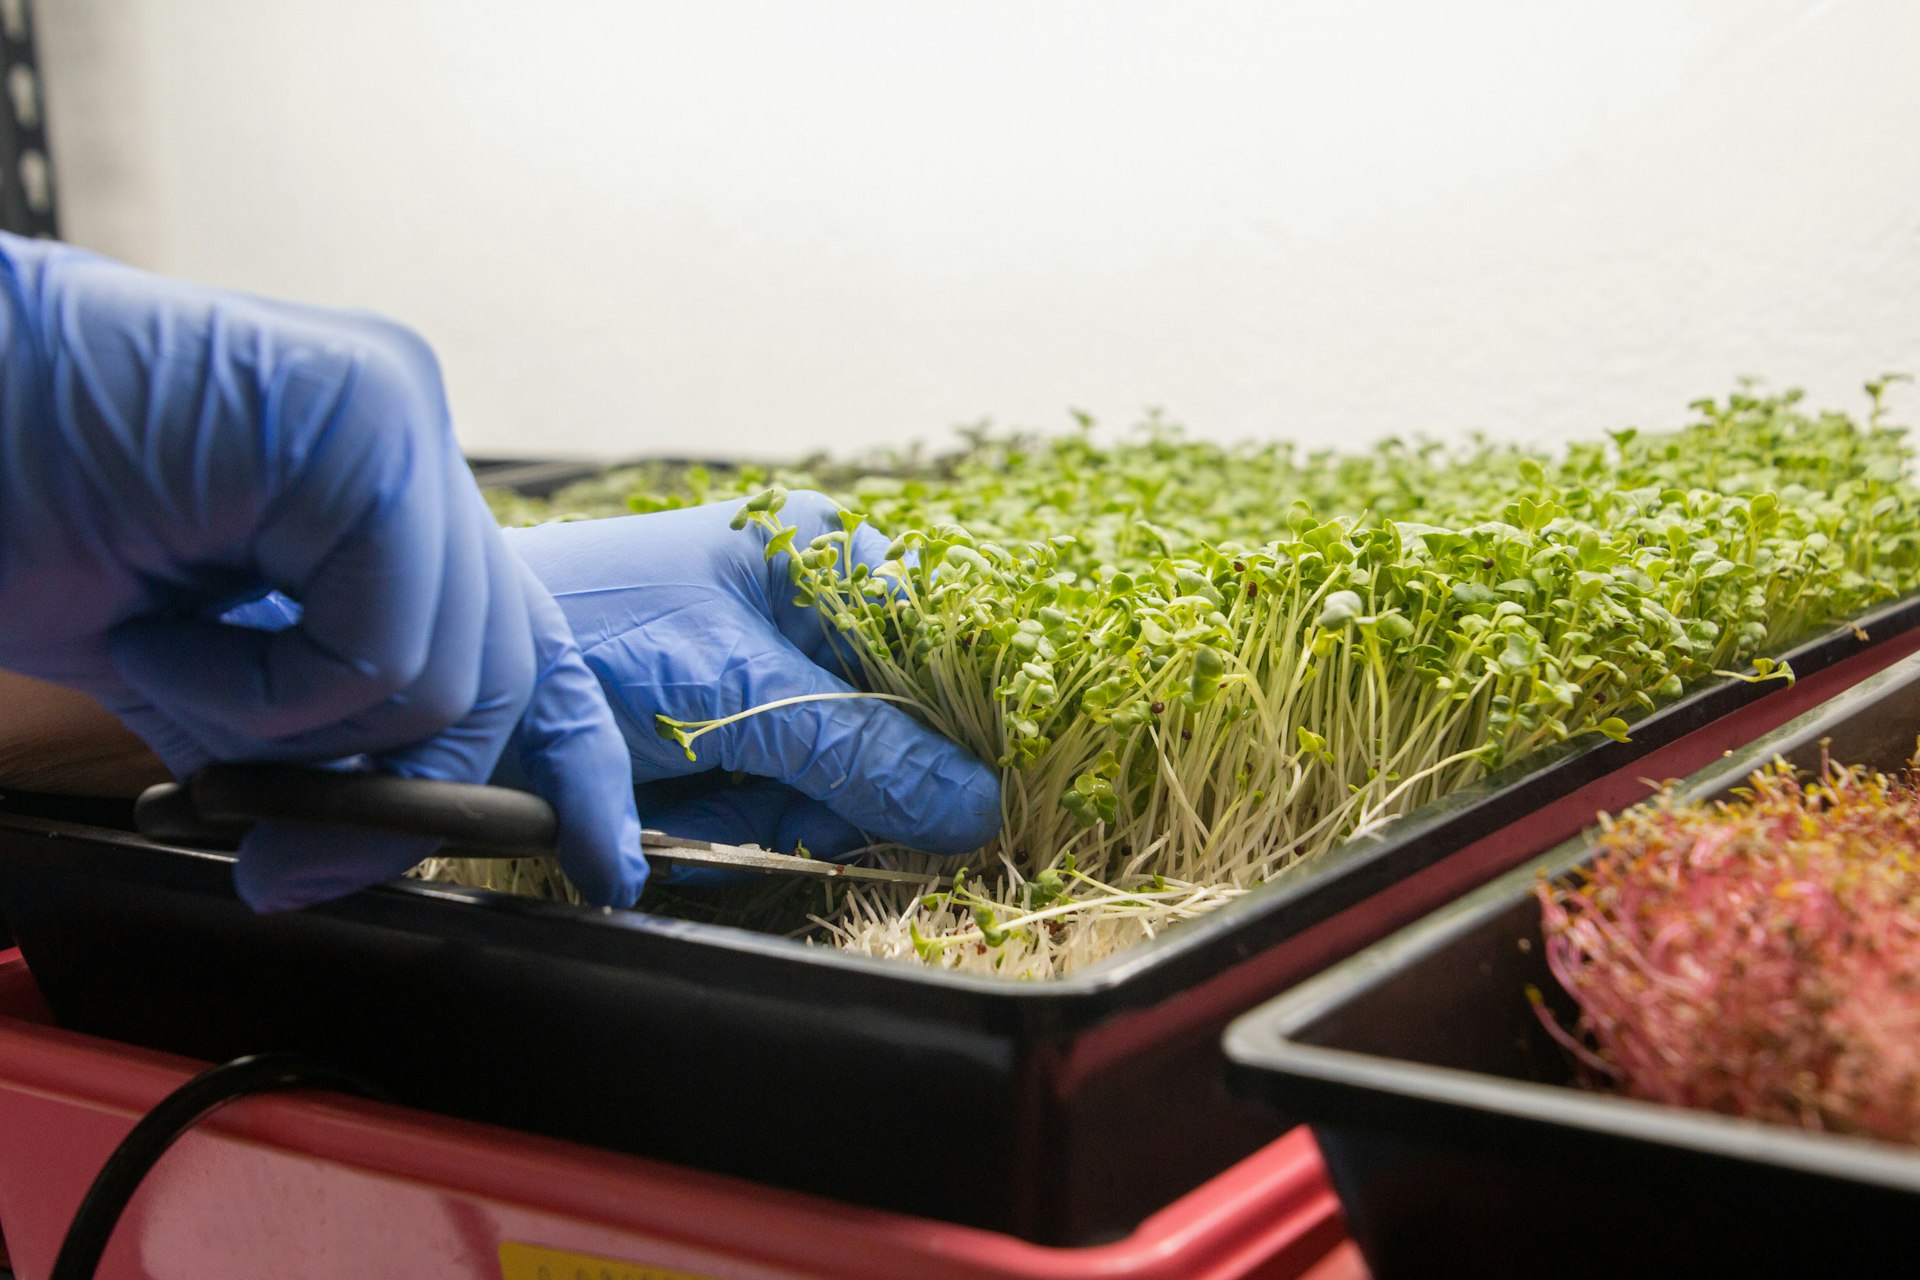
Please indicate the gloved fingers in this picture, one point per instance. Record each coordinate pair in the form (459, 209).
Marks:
(867, 760)
(468, 749)
(688, 631)
(569, 750)
(268, 686)
(349, 500)
(566, 749)
(367, 535)
(287, 865)
(753, 811)
(219, 679)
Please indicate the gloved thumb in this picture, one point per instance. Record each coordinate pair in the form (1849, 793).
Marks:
(569, 750)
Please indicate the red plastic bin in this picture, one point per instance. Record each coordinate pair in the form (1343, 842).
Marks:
(320, 1185)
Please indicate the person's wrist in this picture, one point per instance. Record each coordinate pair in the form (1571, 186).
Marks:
(59, 740)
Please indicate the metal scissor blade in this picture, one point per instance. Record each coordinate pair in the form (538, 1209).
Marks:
(224, 800)
(705, 853)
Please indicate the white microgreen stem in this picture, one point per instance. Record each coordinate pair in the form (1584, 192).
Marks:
(693, 730)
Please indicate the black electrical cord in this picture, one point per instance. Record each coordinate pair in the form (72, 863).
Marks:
(161, 1127)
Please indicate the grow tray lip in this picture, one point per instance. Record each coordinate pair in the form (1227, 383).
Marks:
(1855, 1159)
(1261, 1043)
(1136, 976)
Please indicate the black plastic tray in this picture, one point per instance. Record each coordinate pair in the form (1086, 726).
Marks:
(1062, 1112)
(543, 477)
(1460, 1147)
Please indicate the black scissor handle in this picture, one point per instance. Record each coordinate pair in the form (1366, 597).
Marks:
(221, 801)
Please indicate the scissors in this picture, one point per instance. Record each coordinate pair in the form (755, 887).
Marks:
(220, 802)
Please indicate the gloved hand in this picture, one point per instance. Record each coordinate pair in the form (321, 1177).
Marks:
(680, 614)
(169, 451)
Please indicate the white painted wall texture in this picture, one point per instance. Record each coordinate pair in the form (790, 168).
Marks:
(764, 228)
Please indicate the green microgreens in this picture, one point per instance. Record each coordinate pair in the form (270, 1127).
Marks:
(1196, 665)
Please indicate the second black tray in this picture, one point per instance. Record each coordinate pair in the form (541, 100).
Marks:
(1459, 1147)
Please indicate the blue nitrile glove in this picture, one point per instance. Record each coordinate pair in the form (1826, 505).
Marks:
(679, 614)
(169, 451)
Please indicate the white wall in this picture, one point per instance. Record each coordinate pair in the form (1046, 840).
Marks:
(760, 228)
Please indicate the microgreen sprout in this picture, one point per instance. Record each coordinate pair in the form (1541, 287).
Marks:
(1196, 665)
(1758, 956)
(687, 732)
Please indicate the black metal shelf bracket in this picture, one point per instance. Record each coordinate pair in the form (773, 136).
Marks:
(26, 171)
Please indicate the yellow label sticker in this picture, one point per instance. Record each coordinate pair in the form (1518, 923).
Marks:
(533, 1262)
